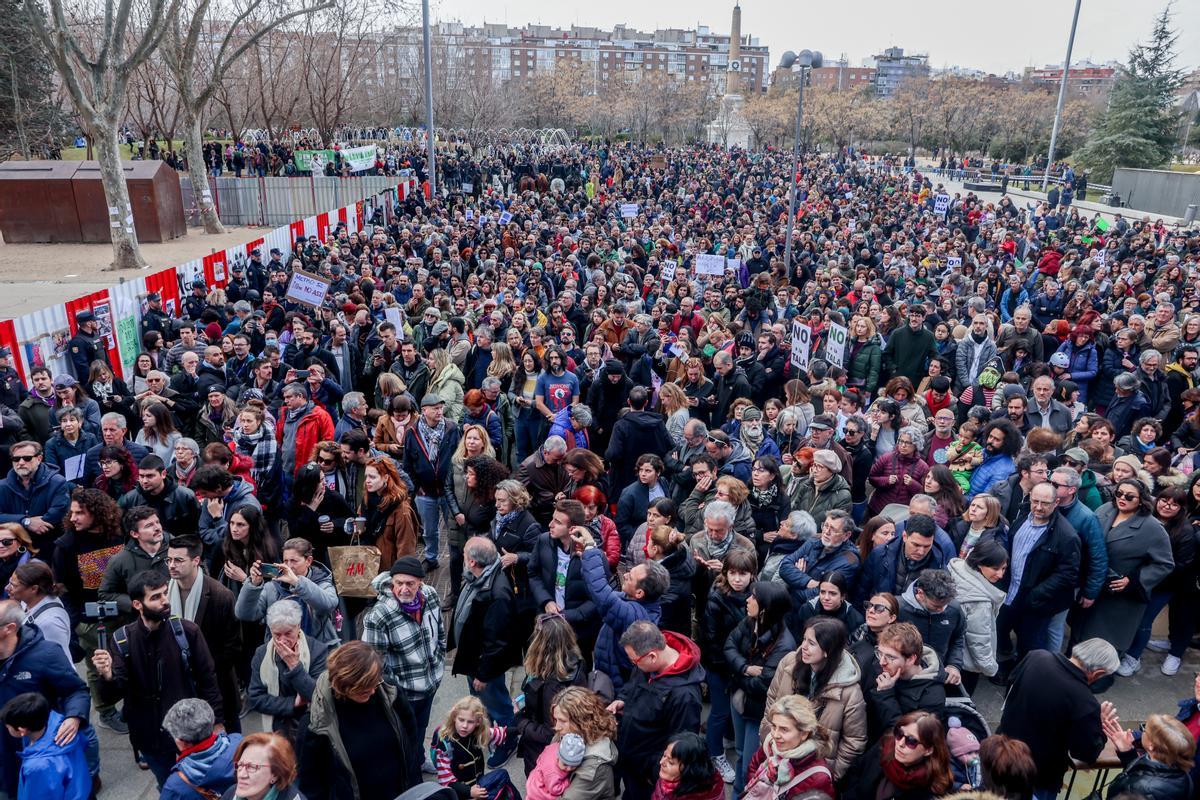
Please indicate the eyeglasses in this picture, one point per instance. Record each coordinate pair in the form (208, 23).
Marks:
(911, 742)
(23, 459)
(7, 542)
(249, 767)
(879, 608)
(882, 656)
(1127, 495)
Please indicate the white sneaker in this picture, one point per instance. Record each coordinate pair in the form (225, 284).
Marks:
(1129, 666)
(1170, 665)
(1158, 645)
(723, 767)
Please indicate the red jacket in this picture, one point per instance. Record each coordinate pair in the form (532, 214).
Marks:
(314, 427)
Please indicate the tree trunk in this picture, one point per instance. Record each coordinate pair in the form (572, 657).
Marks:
(126, 254)
(198, 172)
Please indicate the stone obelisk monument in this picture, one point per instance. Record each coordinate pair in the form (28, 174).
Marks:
(730, 128)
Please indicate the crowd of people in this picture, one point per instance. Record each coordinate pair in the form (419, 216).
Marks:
(526, 442)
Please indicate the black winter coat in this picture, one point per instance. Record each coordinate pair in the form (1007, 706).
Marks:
(1051, 570)
(519, 536)
(578, 607)
(153, 679)
(1150, 779)
(487, 646)
(535, 723)
(744, 649)
(723, 612)
(1051, 708)
(677, 601)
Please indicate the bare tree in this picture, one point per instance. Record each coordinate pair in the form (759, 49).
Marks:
(95, 56)
(199, 50)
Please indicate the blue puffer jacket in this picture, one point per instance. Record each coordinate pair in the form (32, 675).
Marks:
(991, 471)
(617, 613)
(46, 497)
(210, 769)
(38, 666)
(844, 559)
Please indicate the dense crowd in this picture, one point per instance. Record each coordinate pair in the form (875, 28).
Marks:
(531, 438)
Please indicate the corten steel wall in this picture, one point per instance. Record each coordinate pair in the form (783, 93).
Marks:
(39, 338)
(1157, 191)
(277, 201)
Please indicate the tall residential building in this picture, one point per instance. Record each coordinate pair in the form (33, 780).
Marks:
(505, 53)
(1085, 79)
(893, 68)
(839, 77)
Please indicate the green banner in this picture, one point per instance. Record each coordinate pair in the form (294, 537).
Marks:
(128, 343)
(359, 158)
(304, 159)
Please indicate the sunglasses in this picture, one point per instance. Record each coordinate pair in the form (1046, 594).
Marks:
(22, 459)
(7, 542)
(911, 742)
(878, 608)
(1127, 495)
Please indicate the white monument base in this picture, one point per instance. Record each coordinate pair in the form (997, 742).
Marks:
(730, 127)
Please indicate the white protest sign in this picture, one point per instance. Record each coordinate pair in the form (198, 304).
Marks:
(835, 348)
(468, 188)
(394, 316)
(668, 271)
(505, 218)
(954, 262)
(801, 344)
(708, 264)
(307, 288)
(734, 264)
(470, 215)
(629, 210)
(941, 204)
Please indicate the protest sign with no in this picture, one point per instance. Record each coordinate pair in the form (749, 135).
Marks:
(835, 346)
(801, 345)
(307, 288)
(707, 264)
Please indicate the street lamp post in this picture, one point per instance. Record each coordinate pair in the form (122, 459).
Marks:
(429, 101)
(1062, 94)
(807, 59)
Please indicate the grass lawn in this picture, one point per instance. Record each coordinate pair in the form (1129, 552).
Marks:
(1185, 167)
(80, 153)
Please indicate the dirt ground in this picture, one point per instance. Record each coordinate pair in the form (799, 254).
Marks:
(33, 276)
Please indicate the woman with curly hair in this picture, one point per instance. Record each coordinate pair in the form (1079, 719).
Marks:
(118, 472)
(482, 473)
(92, 537)
(582, 711)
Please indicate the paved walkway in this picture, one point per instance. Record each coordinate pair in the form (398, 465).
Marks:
(1031, 196)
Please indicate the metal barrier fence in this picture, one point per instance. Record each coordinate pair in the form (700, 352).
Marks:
(278, 201)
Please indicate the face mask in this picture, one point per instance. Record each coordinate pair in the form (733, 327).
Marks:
(272, 342)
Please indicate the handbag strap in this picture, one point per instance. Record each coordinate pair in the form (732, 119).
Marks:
(816, 769)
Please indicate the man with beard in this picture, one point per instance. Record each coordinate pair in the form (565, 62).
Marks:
(300, 354)
(1001, 443)
(589, 368)
(556, 388)
(155, 662)
(773, 362)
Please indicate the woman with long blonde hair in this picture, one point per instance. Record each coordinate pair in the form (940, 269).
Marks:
(503, 365)
(447, 382)
(674, 405)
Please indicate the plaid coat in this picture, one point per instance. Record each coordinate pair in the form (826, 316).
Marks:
(414, 653)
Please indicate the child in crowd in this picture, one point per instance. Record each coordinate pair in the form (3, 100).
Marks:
(459, 751)
(552, 775)
(49, 771)
(964, 455)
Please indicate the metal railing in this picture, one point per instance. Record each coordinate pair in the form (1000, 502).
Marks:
(277, 201)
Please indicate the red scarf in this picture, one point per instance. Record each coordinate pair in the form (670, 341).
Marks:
(198, 747)
(936, 405)
(902, 776)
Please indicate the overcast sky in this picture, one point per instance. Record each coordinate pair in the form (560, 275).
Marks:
(1010, 35)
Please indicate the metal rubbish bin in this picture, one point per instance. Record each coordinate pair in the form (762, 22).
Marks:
(1189, 216)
